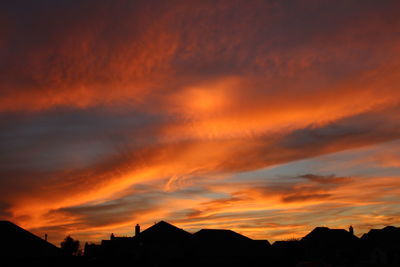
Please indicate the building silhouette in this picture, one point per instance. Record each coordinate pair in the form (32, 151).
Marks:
(18, 244)
(334, 246)
(164, 244)
(382, 246)
(226, 247)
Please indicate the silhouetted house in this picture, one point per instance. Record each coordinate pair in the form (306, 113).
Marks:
(382, 246)
(226, 247)
(163, 232)
(334, 246)
(114, 248)
(163, 243)
(19, 244)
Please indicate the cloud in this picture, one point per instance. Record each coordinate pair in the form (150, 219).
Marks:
(292, 206)
(330, 179)
(105, 176)
(109, 213)
(85, 53)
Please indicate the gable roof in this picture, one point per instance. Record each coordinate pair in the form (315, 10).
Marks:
(387, 236)
(18, 243)
(326, 236)
(163, 231)
(220, 235)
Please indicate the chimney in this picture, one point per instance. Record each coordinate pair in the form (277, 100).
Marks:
(351, 230)
(45, 237)
(137, 229)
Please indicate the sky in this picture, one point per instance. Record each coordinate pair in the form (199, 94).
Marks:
(265, 117)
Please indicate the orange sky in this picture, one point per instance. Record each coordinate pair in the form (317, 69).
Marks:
(265, 117)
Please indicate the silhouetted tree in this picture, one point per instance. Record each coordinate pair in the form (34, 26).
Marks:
(70, 246)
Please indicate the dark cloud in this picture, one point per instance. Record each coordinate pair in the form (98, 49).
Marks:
(329, 179)
(349, 133)
(4, 213)
(60, 139)
(308, 187)
(304, 197)
(111, 212)
(135, 203)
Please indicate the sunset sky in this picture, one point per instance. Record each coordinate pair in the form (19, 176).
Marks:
(265, 117)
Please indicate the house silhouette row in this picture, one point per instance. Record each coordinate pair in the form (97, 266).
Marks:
(164, 244)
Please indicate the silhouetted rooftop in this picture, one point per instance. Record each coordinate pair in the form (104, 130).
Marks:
(387, 236)
(163, 231)
(19, 243)
(325, 233)
(217, 235)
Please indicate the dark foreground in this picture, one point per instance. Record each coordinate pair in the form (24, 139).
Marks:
(166, 245)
